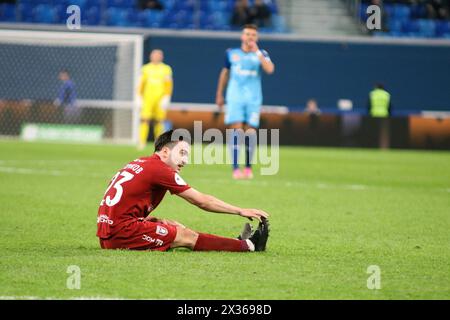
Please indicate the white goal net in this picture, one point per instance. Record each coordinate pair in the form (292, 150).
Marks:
(73, 86)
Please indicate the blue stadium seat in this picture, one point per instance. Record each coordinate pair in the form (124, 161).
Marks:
(25, 12)
(81, 3)
(184, 19)
(418, 11)
(380, 34)
(388, 10)
(362, 12)
(395, 25)
(116, 17)
(219, 19)
(151, 18)
(442, 28)
(186, 5)
(395, 34)
(402, 12)
(44, 13)
(190, 14)
(95, 3)
(126, 4)
(61, 13)
(92, 16)
(218, 6)
(411, 26)
(229, 6)
(134, 17)
(8, 12)
(204, 6)
(37, 2)
(202, 18)
(168, 4)
(427, 27)
(273, 7)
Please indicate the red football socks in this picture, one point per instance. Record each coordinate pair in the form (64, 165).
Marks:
(209, 242)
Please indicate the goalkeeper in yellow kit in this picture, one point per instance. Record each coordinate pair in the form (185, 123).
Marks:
(155, 88)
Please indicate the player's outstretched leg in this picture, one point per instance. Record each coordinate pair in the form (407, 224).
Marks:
(209, 242)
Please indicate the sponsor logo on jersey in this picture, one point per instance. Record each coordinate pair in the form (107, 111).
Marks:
(152, 240)
(179, 180)
(103, 218)
(161, 231)
(245, 72)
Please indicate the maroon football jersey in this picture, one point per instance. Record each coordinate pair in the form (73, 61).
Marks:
(134, 192)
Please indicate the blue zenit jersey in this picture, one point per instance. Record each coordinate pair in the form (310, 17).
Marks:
(244, 84)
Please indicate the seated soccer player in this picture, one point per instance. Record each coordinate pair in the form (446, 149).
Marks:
(125, 219)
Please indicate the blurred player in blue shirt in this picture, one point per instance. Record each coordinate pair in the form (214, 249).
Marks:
(67, 97)
(241, 75)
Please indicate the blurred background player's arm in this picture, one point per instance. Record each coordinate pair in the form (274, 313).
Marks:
(266, 64)
(223, 81)
(168, 90)
(142, 84)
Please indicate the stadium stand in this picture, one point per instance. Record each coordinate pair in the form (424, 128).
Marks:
(412, 18)
(176, 14)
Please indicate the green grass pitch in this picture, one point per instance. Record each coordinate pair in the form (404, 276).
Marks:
(334, 213)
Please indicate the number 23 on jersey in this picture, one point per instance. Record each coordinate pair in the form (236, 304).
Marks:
(116, 183)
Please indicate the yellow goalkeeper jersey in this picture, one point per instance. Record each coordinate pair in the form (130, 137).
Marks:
(156, 79)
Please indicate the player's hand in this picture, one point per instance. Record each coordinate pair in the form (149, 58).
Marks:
(220, 101)
(165, 102)
(253, 46)
(254, 213)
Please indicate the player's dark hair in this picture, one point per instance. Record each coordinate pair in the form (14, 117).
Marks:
(250, 26)
(169, 139)
(379, 85)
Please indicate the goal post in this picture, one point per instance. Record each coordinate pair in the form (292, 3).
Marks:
(103, 69)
